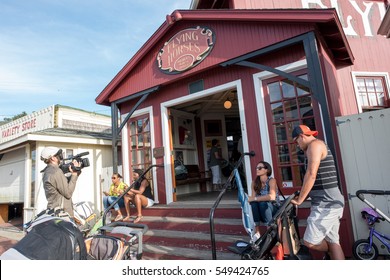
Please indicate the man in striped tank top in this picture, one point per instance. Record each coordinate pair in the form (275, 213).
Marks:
(320, 183)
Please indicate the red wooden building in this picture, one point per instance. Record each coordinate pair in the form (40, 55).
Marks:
(277, 63)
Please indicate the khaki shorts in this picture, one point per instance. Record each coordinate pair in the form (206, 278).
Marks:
(323, 223)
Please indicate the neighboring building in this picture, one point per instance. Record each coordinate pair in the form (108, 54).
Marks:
(250, 70)
(384, 28)
(74, 131)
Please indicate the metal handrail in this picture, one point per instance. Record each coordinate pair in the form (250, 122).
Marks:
(218, 200)
(126, 191)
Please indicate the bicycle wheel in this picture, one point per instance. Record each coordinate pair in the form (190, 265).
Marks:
(362, 251)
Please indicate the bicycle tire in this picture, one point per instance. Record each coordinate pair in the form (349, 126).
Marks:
(360, 250)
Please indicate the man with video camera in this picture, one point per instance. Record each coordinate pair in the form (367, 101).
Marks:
(58, 188)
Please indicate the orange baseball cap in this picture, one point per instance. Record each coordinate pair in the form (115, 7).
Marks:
(303, 129)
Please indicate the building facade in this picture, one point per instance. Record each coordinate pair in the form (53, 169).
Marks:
(22, 141)
(248, 72)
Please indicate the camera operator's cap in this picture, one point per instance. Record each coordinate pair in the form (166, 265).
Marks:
(49, 152)
(303, 129)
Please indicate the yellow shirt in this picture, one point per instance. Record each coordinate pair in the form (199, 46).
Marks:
(117, 190)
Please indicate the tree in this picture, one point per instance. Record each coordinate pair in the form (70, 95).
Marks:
(7, 120)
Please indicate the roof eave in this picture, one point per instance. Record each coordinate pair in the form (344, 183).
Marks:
(318, 16)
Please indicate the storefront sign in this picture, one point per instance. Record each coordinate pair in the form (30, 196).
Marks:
(37, 121)
(185, 50)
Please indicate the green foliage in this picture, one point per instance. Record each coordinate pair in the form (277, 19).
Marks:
(7, 120)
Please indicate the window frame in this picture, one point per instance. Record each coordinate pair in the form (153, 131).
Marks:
(386, 87)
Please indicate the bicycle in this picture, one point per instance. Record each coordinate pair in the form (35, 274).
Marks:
(365, 249)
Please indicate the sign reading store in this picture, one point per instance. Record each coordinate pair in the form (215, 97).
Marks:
(185, 50)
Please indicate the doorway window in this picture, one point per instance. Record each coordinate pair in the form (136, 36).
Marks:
(140, 142)
(289, 104)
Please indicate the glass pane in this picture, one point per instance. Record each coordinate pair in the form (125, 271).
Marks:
(372, 99)
(277, 112)
(283, 154)
(361, 86)
(140, 126)
(140, 141)
(305, 106)
(378, 85)
(286, 173)
(133, 128)
(147, 139)
(363, 98)
(301, 89)
(370, 85)
(280, 133)
(381, 99)
(288, 89)
(291, 109)
(274, 92)
(141, 154)
(290, 127)
(133, 142)
(146, 125)
(134, 159)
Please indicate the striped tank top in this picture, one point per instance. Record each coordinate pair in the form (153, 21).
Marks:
(325, 192)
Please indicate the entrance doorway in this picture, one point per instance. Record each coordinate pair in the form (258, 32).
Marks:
(193, 125)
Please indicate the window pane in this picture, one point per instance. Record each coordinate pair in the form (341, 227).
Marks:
(132, 128)
(274, 92)
(372, 99)
(277, 112)
(305, 106)
(288, 89)
(283, 154)
(139, 126)
(301, 89)
(363, 98)
(280, 133)
(370, 85)
(133, 142)
(286, 173)
(378, 85)
(291, 109)
(134, 159)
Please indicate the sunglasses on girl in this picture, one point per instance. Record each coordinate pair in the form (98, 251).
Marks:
(260, 167)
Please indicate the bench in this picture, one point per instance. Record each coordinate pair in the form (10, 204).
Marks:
(195, 176)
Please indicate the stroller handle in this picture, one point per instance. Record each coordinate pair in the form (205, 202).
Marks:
(360, 193)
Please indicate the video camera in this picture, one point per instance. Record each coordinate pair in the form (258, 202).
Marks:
(84, 162)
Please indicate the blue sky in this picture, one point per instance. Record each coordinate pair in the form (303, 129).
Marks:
(66, 51)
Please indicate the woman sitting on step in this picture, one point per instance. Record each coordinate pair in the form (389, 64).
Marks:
(264, 195)
(141, 196)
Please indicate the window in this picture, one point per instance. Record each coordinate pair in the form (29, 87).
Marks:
(371, 93)
(290, 104)
(140, 146)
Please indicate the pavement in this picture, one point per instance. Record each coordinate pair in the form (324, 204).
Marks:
(10, 233)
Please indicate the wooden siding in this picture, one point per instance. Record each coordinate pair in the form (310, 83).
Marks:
(231, 41)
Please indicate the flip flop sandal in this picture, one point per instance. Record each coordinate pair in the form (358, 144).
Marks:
(127, 219)
(118, 218)
(137, 219)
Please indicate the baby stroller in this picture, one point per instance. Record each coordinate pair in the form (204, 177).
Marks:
(365, 249)
(52, 235)
(85, 217)
(283, 229)
(116, 241)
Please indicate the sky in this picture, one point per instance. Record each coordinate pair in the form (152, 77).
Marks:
(67, 51)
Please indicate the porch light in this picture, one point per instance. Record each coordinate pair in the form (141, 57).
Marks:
(227, 104)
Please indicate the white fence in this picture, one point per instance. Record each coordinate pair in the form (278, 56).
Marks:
(365, 150)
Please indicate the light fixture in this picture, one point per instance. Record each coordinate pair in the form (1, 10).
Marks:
(227, 104)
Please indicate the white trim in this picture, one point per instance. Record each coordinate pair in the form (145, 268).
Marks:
(262, 115)
(166, 133)
(354, 74)
(125, 142)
